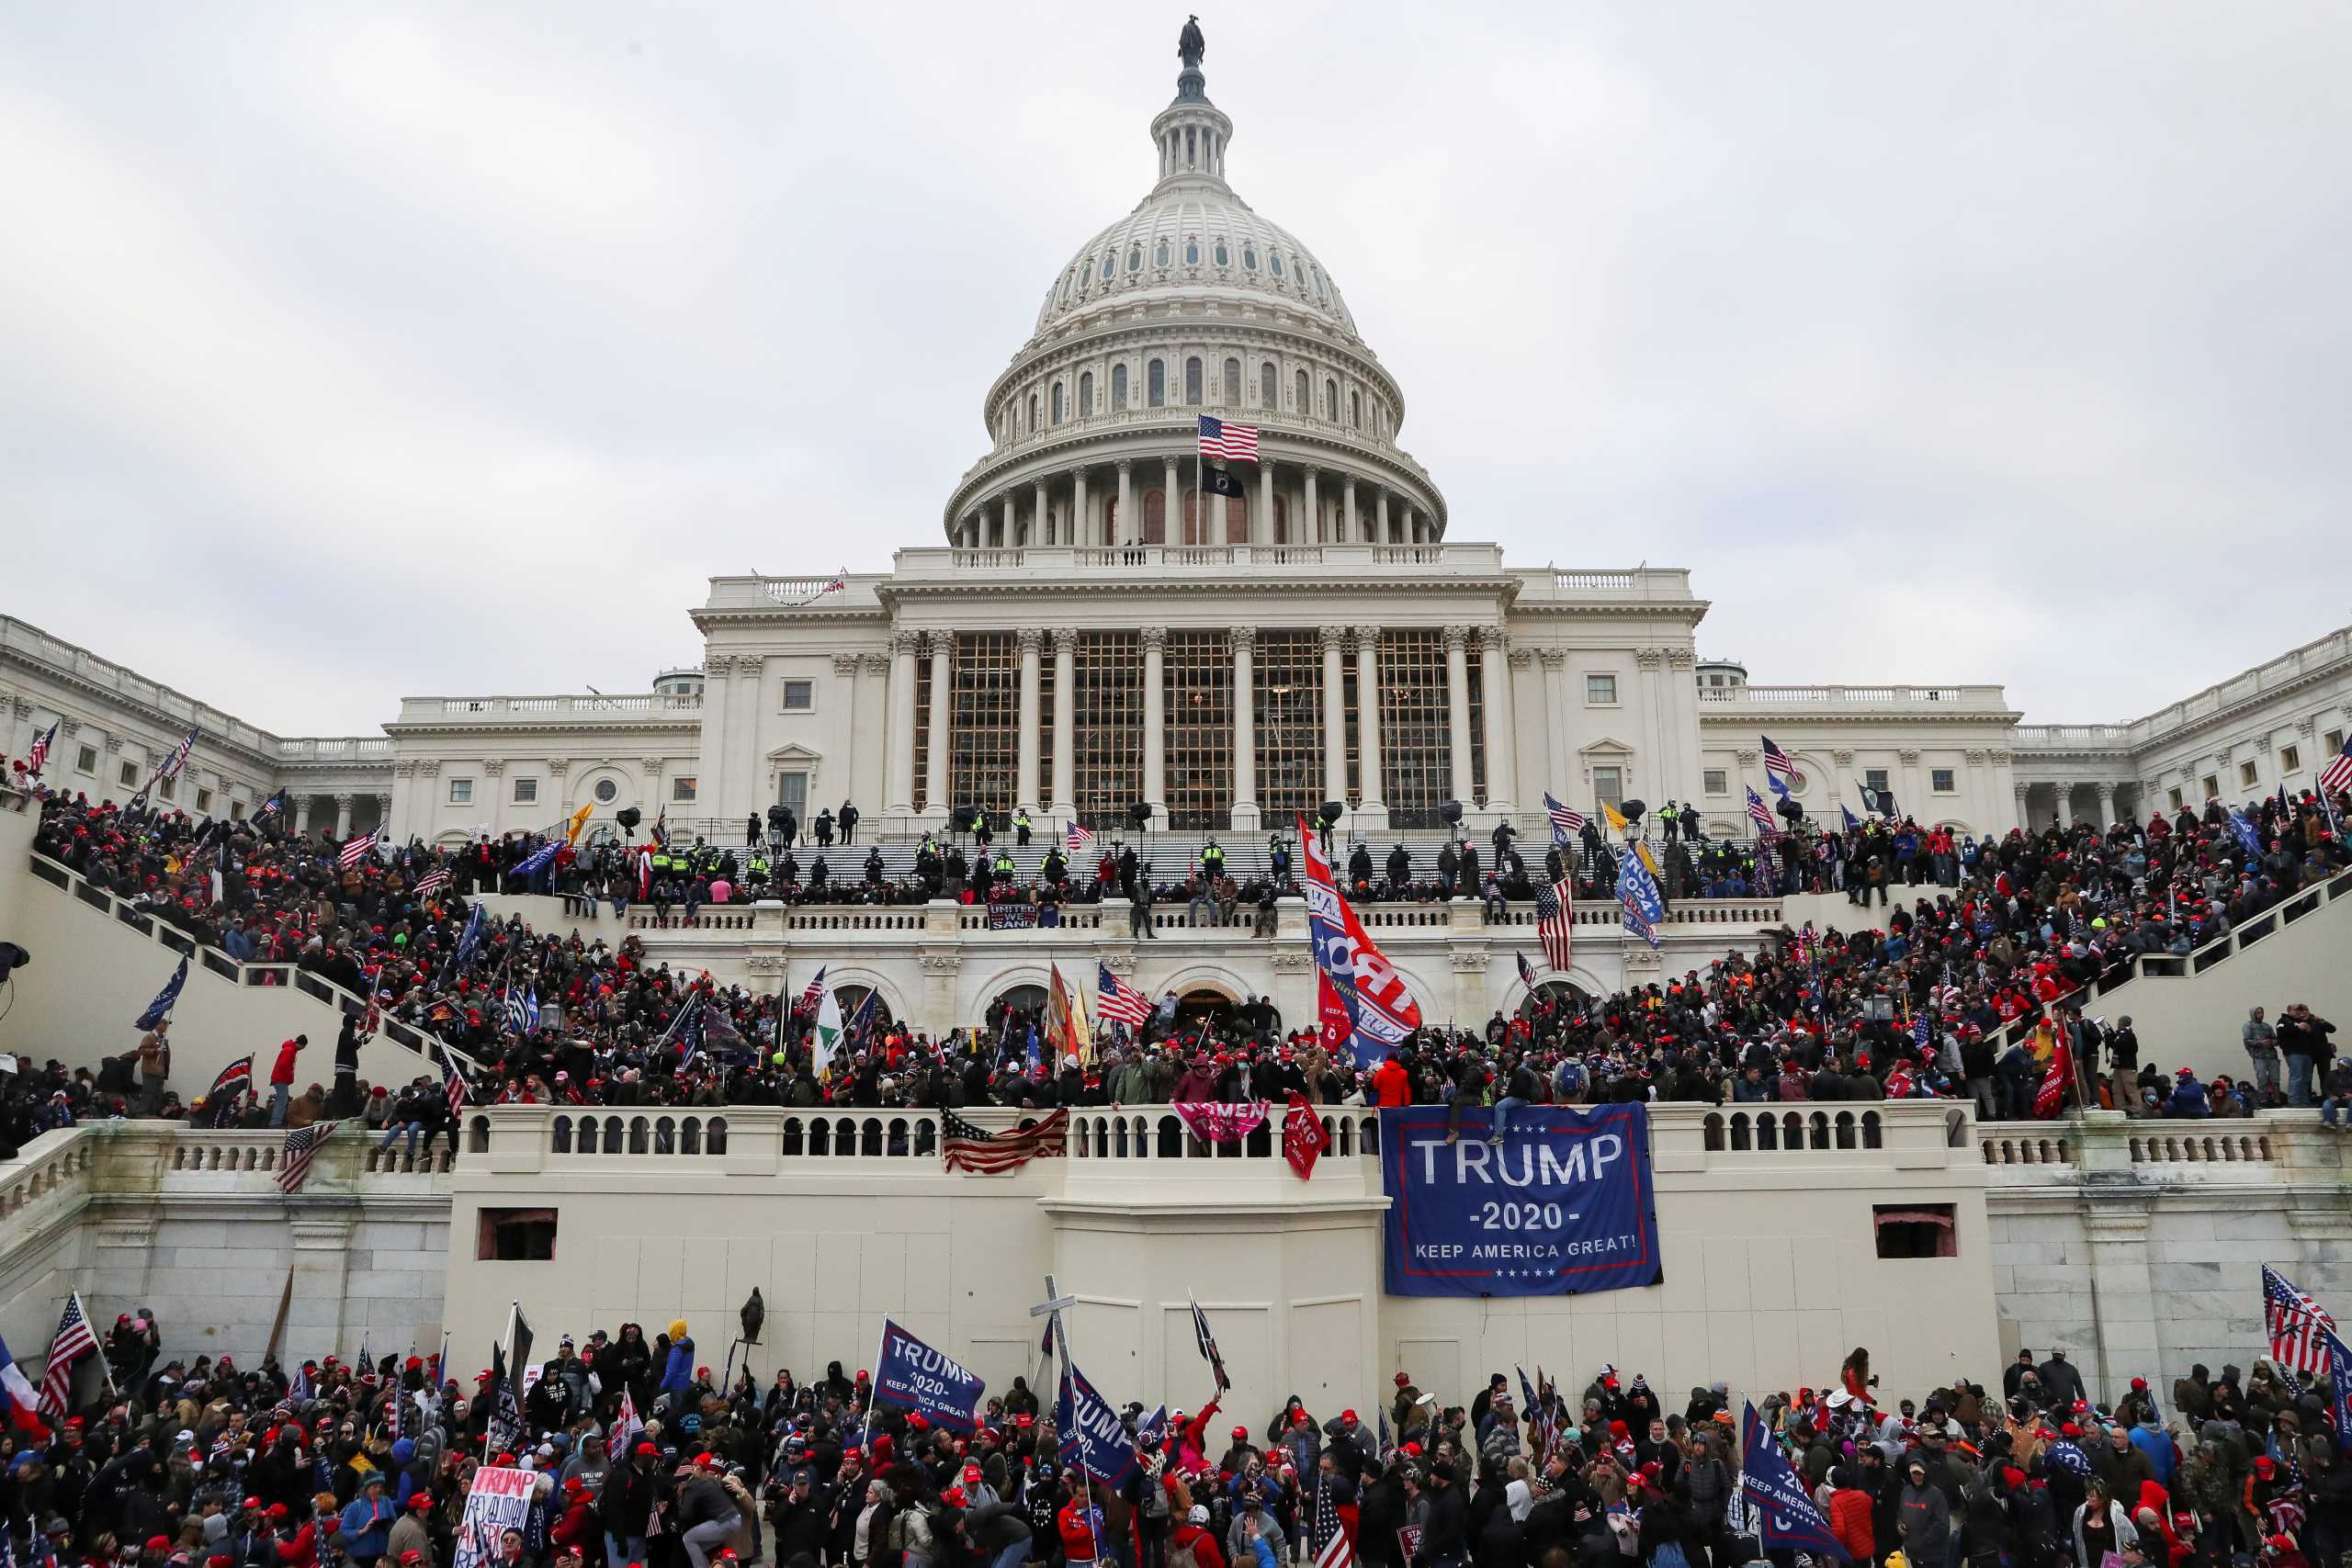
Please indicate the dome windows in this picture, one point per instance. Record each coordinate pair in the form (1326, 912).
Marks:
(1269, 386)
(1191, 252)
(1274, 263)
(1193, 379)
(1056, 414)
(1135, 258)
(1224, 257)
(1301, 399)
(1118, 388)
(1033, 413)
(1085, 393)
(1355, 407)
(1250, 257)
(1330, 400)
(1160, 256)
(1109, 266)
(1156, 383)
(1233, 383)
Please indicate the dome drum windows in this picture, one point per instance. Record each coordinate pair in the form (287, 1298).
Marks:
(1233, 383)
(1224, 257)
(1135, 259)
(1250, 258)
(1274, 263)
(1162, 255)
(1118, 388)
(1269, 386)
(1057, 409)
(1193, 379)
(1156, 383)
(1191, 252)
(1109, 266)
(1085, 393)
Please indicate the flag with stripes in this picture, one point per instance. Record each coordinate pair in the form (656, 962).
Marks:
(1206, 1342)
(1778, 772)
(965, 1146)
(166, 1000)
(48, 737)
(2299, 1328)
(813, 994)
(511, 1007)
(1565, 824)
(1233, 443)
(177, 758)
(1081, 842)
(453, 1080)
(432, 882)
(1526, 971)
(1757, 812)
(303, 1145)
(785, 594)
(272, 806)
(1556, 919)
(1116, 1001)
(1324, 1537)
(359, 848)
(74, 1342)
(2334, 779)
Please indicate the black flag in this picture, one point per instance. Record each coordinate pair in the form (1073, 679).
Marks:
(1218, 481)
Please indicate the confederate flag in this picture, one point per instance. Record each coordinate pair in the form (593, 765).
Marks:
(1302, 1135)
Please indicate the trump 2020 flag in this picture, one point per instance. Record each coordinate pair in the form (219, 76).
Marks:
(1766, 1480)
(910, 1375)
(160, 1008)
(1092, 1437)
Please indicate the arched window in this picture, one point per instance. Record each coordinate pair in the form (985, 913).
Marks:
(1065, 277)
(1224, 256)
(1193, 379)
(1274, 263)
(1302, 393)
(1057, 402)
(1191, 252)
(1155, 517)
(1156, 383)
(1250, 257)
(1269, 386)
(1118, 387)
(1033, 413)
(1233, 383)
(1085, 393)
(1355, 407)
(1159, 256)
(1318, 283)
(1331, 403)
(1135, 258)
(1109, 265)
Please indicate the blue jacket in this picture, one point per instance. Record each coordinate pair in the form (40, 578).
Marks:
(366, 1531)
(2157, 1445)
(679, 1372)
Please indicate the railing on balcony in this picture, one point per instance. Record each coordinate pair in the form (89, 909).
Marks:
(632, 707)
(1968, 699)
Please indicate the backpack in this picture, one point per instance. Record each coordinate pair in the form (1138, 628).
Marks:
(1153, 1505)
(1183, 1557)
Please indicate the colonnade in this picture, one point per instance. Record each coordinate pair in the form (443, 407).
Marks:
(1102, 504)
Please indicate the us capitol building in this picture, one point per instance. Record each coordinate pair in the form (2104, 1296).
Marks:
(1093, 633)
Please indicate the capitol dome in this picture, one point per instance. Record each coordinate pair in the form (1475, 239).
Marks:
(1192, 305)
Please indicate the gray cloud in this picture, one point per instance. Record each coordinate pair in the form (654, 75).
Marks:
(353, 352)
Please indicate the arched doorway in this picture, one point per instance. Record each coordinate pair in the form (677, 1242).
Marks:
(1553, 1001)
(1197, 1003)
(852, 996)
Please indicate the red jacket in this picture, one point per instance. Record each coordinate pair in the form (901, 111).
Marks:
(1849, 1521)
(303, 1552)
(284, 1072)
(1202, 1542)
(1078, 1534)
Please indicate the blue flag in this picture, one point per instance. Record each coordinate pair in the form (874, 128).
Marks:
(2248, 840)
(1151, 1428)
(1853, 823)
(910, 1375)
(538, 862)
(1791, 1522)
(160, 1008)
(1092, 1437)
(2339, 1371)
(1637, 890)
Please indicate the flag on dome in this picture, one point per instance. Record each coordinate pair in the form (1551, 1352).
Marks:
(1233, 443)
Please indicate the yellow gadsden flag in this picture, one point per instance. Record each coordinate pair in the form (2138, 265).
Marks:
(1066, 1020)
(1616, 818)
(578, 821)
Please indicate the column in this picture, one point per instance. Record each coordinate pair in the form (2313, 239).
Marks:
(935, 791)
(1457, 714)
(2064, 808)
(1335, 718)
(1079, 529)
(1024, 766)
(1380, 516)
(1563, 769)
(717, 687)
(1412, 524)
(1155, 715)
(1244, 730)
(1065, 726)
(342, 816)
(1347, 511)
(1130, 526)
(302, 813)
(383, 812)
(2106, 792)
(1041, 526)
(898, 784)
(1261, 530)
(1313, 526)
(1006, 535)
(1502, 749)
(2023, 820)
(1171, 519)
(1368, 719)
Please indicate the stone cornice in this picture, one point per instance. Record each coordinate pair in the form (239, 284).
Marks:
(688, 723)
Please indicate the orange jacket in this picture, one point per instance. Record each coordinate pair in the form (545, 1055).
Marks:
(1849, 1521)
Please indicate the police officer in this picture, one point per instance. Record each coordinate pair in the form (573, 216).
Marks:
(1021, 827)
(823, 828)
(758, 873)
(1054, 868)
(1211, 859)
(847, 817)
(982, 832)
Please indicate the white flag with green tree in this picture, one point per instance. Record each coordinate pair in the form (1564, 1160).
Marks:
(828, 1038)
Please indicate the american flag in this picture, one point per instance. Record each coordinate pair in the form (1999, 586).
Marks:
(1554, 922)
(358, 849)
(73, 1342)
(2334, 779)
(1116, 1001)
(301, 1148)
(1234, 443)
(967, 1146)
(812, 995)
(177, 758)
(1324, 1534)
(2299, 1328)
(1081, 842)
(1778, 772)
(39, 752)
(1757, 812)
(1565, 824)
(1526, 971)
(432, 881)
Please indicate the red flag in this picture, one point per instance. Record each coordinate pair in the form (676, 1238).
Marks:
(2051, 1095)
(1303, 1137)
(1332, 1013)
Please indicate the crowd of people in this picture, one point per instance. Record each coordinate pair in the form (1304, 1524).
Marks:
(635, 1454)
(1936, 999)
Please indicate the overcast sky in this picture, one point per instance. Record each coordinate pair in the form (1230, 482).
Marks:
(354, 352)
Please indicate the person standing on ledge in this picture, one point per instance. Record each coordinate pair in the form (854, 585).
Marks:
(281, 1079)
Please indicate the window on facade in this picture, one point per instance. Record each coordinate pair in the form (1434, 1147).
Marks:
(1940, 781)
(1876, 778)
(2174, 795)
(682, 790)
(1281, 521)
(2335, 743)
(1608, 785)
(1915, 1230)
(983, 732)
(1118, 387)
(1193, 379)
(1196, 675)
(1135, 258)
(1222, 256)
(461, 792)
(1301, 390)
(1191, 252)
(2212, 787)
(1330, 399)
(169, 789)
(1233, 383)
(1085, 393)
(2289, 758)
(1155, 517)
(2246, 774)
(1286, 688)
(86, 760)
(1106, 707)
(515, 1235)
(1057, 415)
(605, 790)
(1717, 780)
(527, 792)
(204, 800)
(1274, 263)
(792, 794)
(1416, 734)
(1033, 413)
(236, 811)
(1601, 691)
(1235, 511)
(1355, 409)
(1160, 256)
(1156, 383)
(799, 696)
(1269, 385)
(128, 772)
(1107, 267)
(1250, 257)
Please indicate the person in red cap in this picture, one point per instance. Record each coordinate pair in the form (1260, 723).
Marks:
(626, 1505)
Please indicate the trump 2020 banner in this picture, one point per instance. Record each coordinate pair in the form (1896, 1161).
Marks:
(1093, 1438)
(910, 1375)
(1562, 1205)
